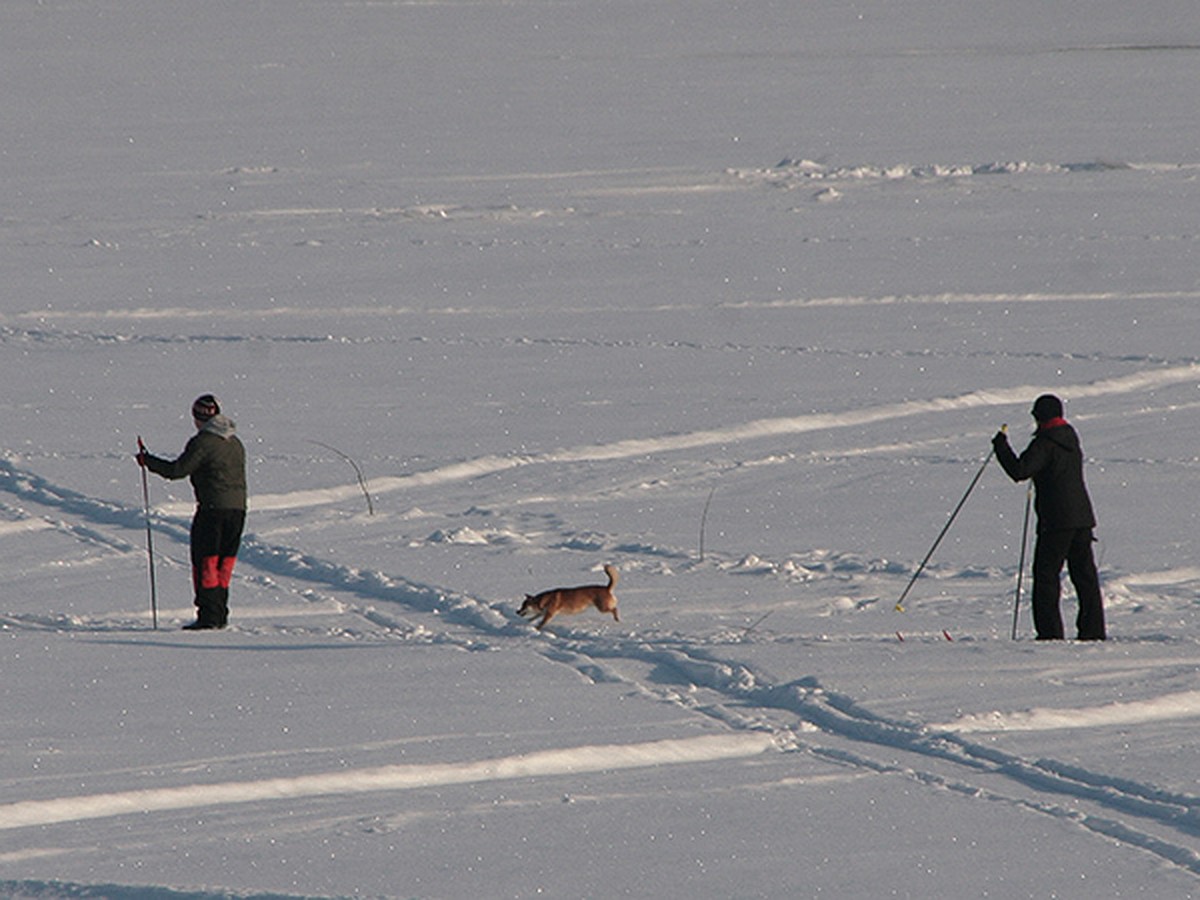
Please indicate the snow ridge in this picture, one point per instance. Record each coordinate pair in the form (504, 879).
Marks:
(788, 171)
(385, 778)
(735, 434)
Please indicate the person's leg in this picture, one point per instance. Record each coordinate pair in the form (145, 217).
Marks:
(233, 521)
(1048, 556)
(205, 540)
(1082, 568)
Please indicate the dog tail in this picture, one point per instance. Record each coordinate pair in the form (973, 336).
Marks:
(613, 575)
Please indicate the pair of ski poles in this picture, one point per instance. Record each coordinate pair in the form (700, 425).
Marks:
(950, 521)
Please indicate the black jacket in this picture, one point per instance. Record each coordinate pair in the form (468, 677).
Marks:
(1054, 461)
(215, 461)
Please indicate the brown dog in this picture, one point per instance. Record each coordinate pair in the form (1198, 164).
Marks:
(567, 601)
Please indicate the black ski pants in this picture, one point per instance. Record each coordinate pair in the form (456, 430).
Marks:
(1074, 547)
(215, 538)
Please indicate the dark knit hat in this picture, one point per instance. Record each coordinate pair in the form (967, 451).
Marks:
(205, 408)
(1047, 407)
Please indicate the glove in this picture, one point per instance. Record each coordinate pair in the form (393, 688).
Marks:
(1000, 439)
(141, 458)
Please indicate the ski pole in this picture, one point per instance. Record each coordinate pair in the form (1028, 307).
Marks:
(149, 539)
(970, 487)
(1021, 564)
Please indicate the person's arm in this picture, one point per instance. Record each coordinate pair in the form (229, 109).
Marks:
(187, 462)
(1018, 468)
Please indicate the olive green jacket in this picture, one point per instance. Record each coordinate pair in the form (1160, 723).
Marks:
(215, 461)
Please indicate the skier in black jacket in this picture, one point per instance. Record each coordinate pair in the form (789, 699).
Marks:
(1054, 460)
(215, 462)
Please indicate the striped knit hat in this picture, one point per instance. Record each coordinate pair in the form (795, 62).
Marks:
(205, 408)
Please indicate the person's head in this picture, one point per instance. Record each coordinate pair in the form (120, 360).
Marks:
(1047, 407)
(205, 408)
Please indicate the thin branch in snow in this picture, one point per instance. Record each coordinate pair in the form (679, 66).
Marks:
(362, 483)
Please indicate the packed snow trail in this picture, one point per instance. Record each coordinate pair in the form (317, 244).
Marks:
(566, 761)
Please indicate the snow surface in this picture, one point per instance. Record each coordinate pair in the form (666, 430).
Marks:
(731, 295)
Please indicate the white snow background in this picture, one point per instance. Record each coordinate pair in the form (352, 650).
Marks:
(731, 295)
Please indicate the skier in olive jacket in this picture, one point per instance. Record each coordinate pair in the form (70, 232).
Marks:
(1054, 460)
(215, 461)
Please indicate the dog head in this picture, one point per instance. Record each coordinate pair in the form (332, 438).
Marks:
(529, 607)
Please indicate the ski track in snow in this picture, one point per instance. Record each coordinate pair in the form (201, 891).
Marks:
(759, 715)
(18, 332)
(465, 470)
(386, 778)
(749, 431)
(1185, 704)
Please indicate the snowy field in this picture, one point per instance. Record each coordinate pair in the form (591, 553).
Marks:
(729, 295)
